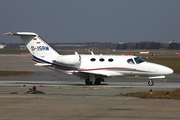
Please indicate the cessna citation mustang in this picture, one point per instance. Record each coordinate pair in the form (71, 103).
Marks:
(92, 68)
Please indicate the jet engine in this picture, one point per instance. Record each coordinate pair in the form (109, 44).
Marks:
(69, 60)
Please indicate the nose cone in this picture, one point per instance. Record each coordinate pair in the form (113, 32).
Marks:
(164, 70)
(159, 69)
(168, 70)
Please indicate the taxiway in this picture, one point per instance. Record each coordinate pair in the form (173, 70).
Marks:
(67, 97)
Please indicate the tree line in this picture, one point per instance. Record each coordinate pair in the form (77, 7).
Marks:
(148, 45)
(106, 45)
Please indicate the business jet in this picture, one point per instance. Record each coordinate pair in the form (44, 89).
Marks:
(92, 68)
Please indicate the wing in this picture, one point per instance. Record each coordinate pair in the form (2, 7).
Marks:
(97, 73)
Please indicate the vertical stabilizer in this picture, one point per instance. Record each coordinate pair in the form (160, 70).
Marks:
(41, 51)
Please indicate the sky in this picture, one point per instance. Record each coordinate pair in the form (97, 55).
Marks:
(70, 21)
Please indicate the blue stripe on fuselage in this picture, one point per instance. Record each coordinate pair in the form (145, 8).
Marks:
(53, 64)
(40, 60)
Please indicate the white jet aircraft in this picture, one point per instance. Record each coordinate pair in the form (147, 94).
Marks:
(92, 68)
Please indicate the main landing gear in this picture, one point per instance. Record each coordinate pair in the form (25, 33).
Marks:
(96, 82)
(88, 82)
(150, 83)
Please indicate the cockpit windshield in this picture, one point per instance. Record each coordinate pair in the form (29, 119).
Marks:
(130, 61)
(138, 60)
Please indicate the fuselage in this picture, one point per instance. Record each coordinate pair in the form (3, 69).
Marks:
(114, 65)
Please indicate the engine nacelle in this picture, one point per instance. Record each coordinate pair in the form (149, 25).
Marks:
(69, 60)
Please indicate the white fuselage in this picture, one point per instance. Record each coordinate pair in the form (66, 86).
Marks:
(111, 65)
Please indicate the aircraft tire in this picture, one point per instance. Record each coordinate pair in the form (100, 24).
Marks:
(88, 82)
(97, 81)
(150, 83)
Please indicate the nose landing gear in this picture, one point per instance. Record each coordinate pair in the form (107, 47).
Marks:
(150, 83)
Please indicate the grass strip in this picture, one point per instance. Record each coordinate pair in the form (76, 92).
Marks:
(14, 73)
(159, 94)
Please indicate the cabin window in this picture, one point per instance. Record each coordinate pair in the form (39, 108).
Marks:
(101, 59)
(93, 59)
(110, 59)
(130, 61)
(138, 60)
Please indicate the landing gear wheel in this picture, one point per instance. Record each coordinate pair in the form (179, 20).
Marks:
(88, 82)
(97, 81)
(150, 83)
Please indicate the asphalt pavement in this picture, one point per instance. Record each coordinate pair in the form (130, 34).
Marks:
(67, 97)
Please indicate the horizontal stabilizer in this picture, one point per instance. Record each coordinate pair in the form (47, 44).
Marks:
(42, 64)
(21, 34)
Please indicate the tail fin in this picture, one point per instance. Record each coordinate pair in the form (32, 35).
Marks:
(41, 51)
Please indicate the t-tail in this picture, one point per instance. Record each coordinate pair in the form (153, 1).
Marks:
(40, 50)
